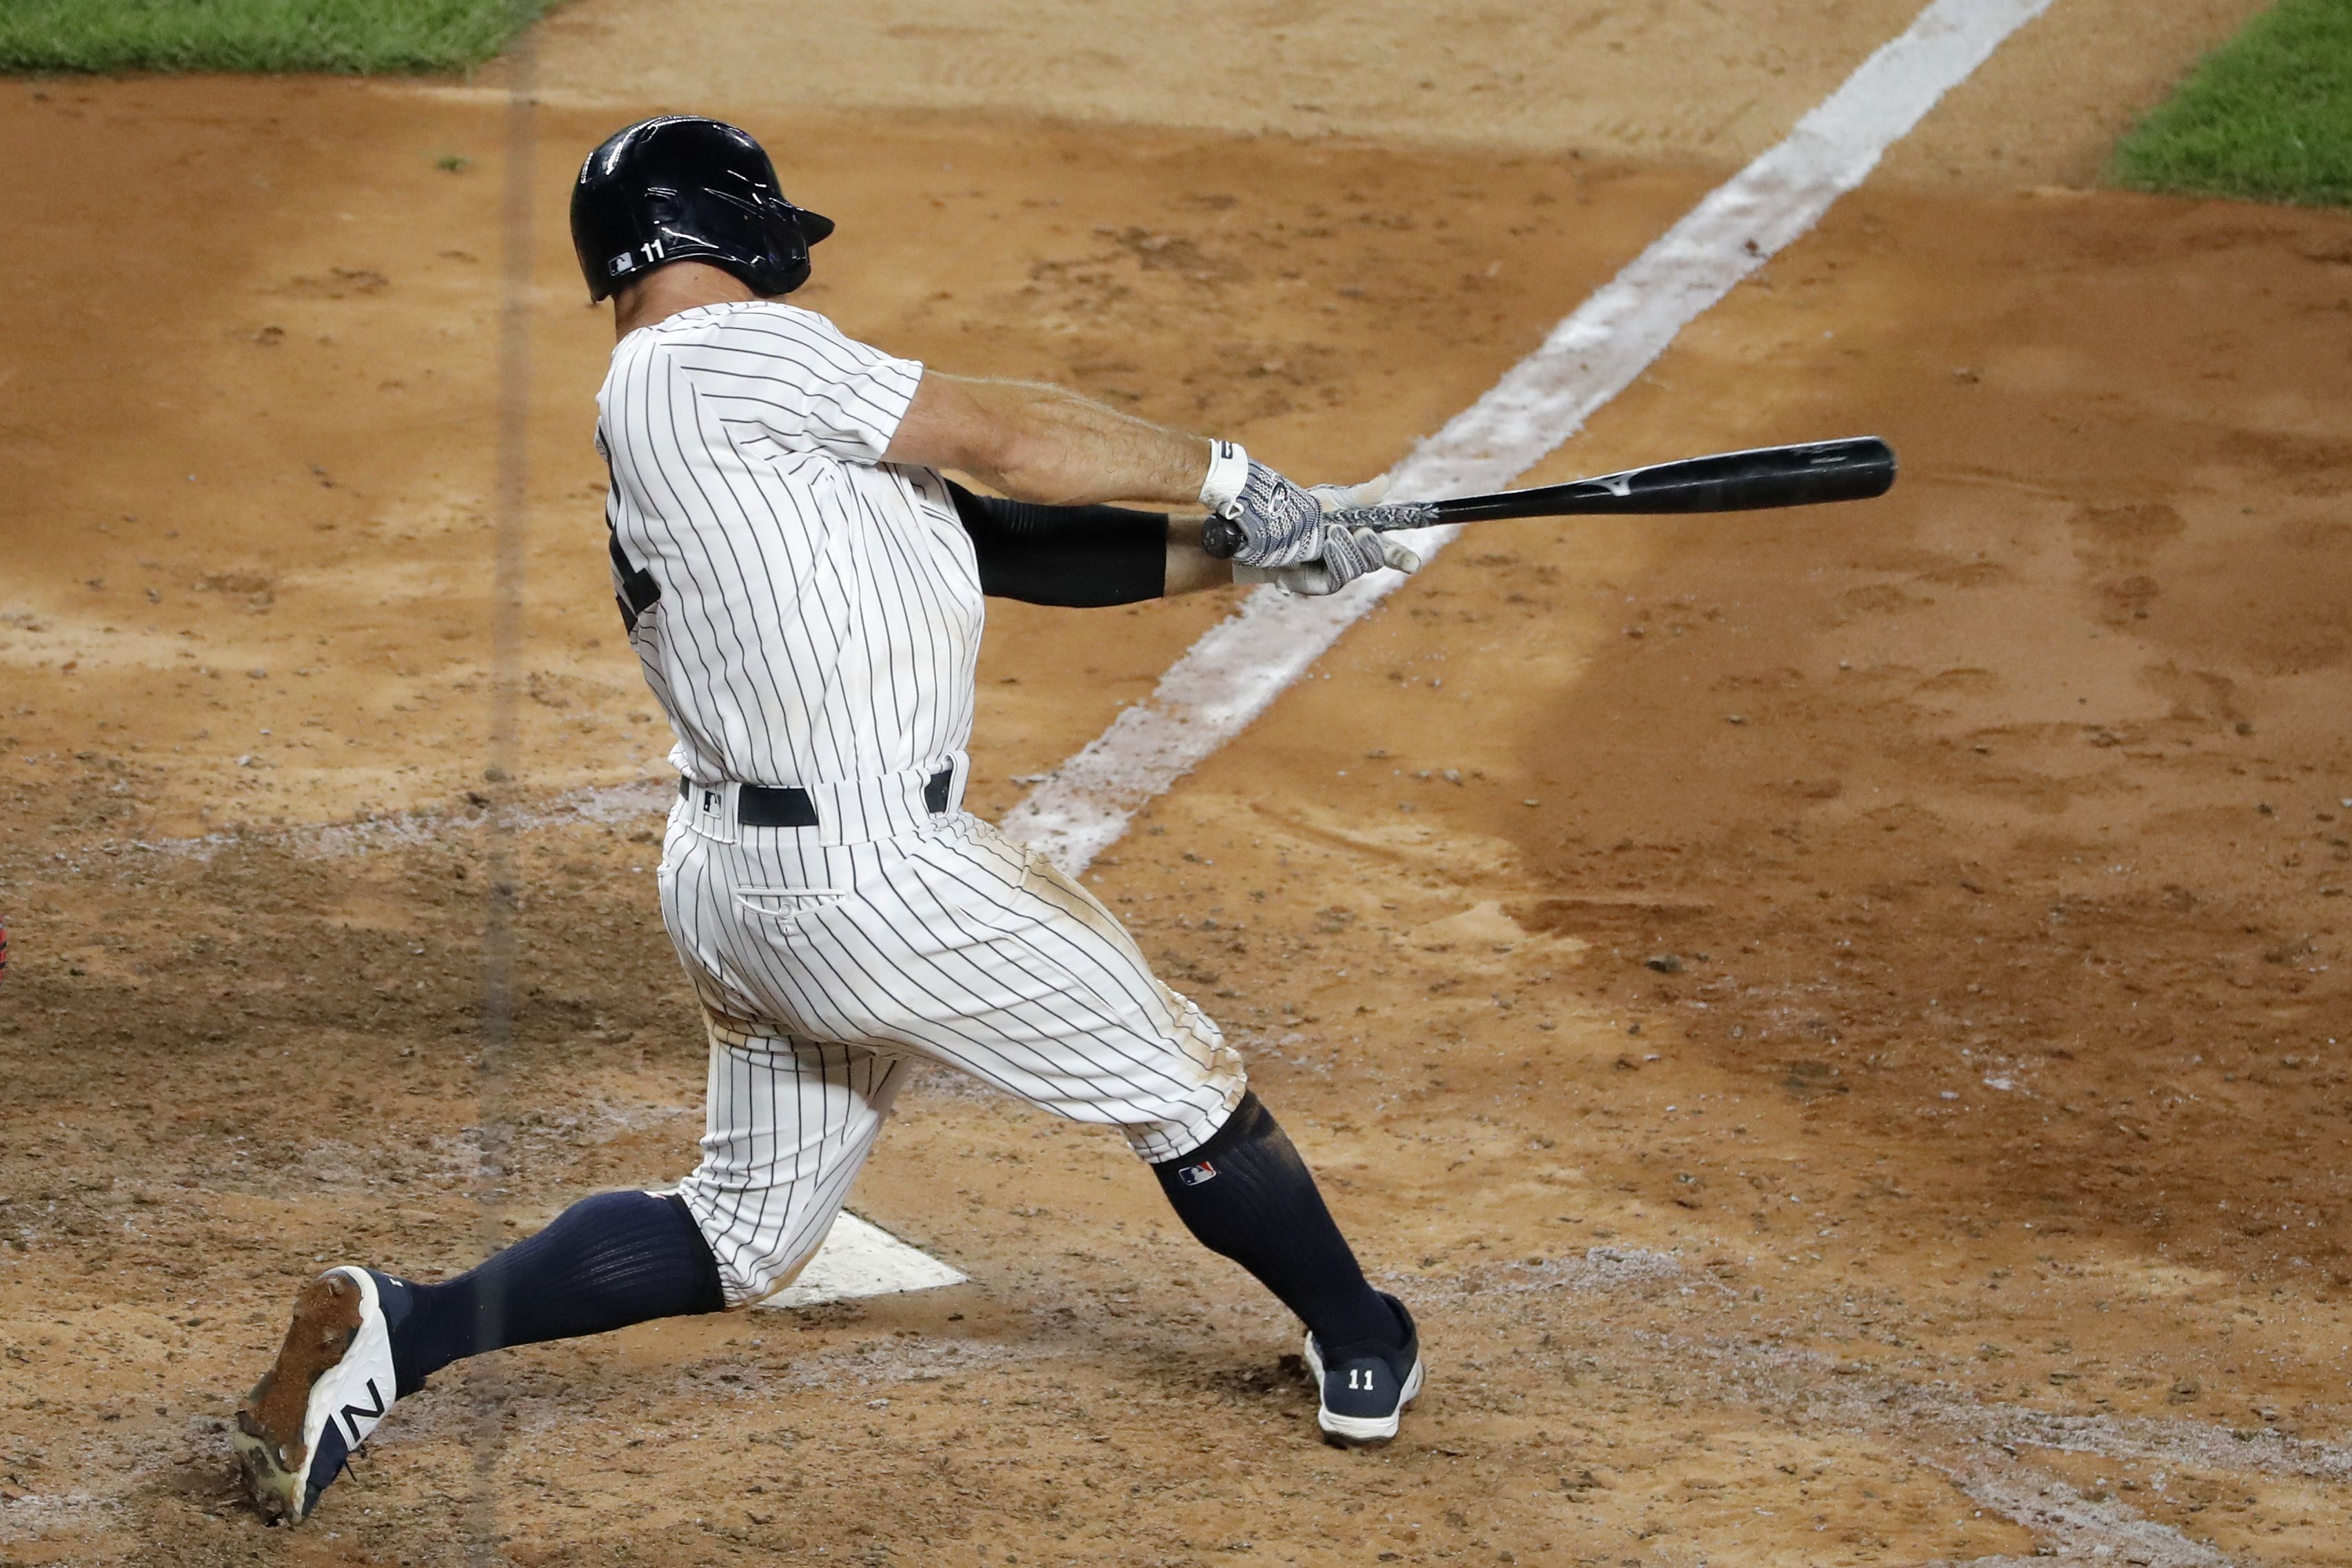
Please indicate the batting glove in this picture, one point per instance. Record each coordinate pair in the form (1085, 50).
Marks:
(1342, 554)
(1279, 521)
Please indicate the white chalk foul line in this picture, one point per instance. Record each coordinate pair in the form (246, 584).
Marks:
(1227, 678)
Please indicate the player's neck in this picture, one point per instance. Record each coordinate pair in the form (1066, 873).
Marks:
(680, 286)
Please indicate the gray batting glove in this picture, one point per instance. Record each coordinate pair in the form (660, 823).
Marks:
(1341, 497)
(1280, 522)
(1343, 554)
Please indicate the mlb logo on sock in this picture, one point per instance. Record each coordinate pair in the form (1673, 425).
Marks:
(1194, 1176)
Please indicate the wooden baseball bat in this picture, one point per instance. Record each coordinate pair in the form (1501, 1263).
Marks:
(1855, 469)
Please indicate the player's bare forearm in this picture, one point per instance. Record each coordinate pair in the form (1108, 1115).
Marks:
(1042, 444)
(1192, 569)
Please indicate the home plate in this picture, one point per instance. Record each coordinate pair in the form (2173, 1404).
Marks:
(862, 1260)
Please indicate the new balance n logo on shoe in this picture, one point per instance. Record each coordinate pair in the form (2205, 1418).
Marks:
(352, 1413)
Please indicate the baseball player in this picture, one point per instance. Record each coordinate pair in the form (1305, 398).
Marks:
(804, 591)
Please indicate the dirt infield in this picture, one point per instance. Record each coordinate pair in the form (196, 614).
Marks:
(1837, 1021)
(1681, 81)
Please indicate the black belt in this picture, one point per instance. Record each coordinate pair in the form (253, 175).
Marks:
(789, 806)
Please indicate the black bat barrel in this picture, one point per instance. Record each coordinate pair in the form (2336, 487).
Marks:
(1852, 470)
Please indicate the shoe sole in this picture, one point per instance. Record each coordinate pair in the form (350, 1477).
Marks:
(1360, 1431)
(268, 1434)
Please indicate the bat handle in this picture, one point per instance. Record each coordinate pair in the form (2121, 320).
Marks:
(1389, 518)
(1221, 538)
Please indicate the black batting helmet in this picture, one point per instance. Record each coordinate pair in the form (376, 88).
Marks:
(684, 188)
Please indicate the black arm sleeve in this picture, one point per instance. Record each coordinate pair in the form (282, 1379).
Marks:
(1083, 557)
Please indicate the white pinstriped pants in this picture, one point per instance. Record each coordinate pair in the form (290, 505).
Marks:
(823, 966)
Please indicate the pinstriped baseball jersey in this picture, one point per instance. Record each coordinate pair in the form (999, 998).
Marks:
(805, 614)
(809, 615)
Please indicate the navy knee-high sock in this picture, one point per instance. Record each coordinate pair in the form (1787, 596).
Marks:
(607, 1261)
(1247, 1195)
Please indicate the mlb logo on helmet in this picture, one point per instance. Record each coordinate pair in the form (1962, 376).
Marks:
(1194, 1176)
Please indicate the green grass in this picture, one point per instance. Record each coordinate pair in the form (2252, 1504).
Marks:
(256, 34)
(2267, 116)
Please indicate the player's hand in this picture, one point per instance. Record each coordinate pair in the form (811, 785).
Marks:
(1342, 555)
(1281, 524)
(1342, 497)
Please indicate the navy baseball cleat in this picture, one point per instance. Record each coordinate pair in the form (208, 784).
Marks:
(1366, 1387)
(331, 1384)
